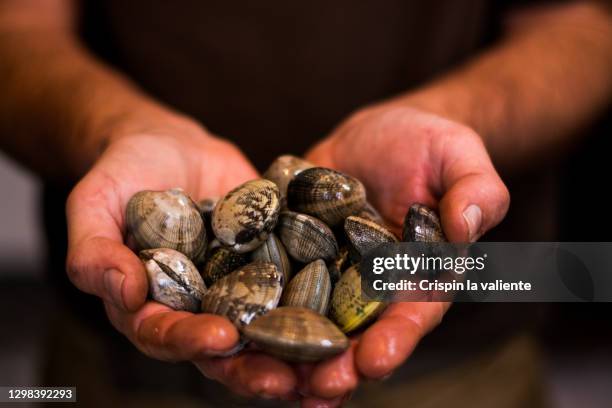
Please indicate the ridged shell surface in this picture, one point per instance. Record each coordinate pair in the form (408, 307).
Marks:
(366, 235)
(347, 308)
(245, 294)
(274, 251)
(297, 334)
(283, 170)
(220, 262)
(173, 279)
(306, 238)
(422, 224)
(310, 288)
(166, 219)
(327, 194)
(243, 218)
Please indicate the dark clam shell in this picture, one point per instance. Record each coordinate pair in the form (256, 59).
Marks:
(337, 266)
(221, 261)
(370, 213)
(422, 224)
(274, 251)
(306, 238)
(166, 219)
(173, 279)
(366, 235)
(243, 218)
(283, 170)
(310, 288)
(245, 294)
(206, 208)
(297, 334)
(347, 309)
(327, 194)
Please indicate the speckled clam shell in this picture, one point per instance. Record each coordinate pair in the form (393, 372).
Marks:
(347, 309)
(306, 238)
(173, 279)
(327, 194)
(245, 294)
(166, 219)
(310, 288)
(283, 170)
(243, 218)
(220, 262)
(274, 251)
(422, 224)
(370, 213)
(366, 235)
(337, 266)
(297, 334)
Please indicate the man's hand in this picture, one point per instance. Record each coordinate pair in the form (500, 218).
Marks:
(176, 154)
(405, 156)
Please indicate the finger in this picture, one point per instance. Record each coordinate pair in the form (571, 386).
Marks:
(389, 341)
(321, 154)
(476, 199)
(167, 335)
(252, 374)
(335, 377)
(98, 263)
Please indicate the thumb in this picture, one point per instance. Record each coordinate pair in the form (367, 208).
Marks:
(475, 201)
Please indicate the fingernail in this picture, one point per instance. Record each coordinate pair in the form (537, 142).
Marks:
(473, 218)
(113, 283)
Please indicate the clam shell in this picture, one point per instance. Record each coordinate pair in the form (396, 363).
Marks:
(166, 219)
(366, 235)
(245, 294)
(243, 218)
(310, 288)
(221, 261)
(283, 170)
(422, 224)
(306, 238)
(274, 251)
(297, 334)
(370, 213)
(206, 207)
(338, 265)
(173, 279)
(327, 194)
(347, 308)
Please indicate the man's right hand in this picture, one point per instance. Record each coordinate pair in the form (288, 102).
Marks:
(175, 154)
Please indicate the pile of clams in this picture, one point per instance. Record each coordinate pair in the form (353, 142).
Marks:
(278, 256)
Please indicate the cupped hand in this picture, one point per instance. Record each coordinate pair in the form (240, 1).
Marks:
(175, 154)
(405, 156)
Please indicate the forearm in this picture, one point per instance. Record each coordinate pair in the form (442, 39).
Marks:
(550, 75)
(59, 104)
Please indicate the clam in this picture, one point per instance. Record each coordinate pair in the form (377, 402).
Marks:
(366, 235)
(337, 266)
(347, 308)
(422, 224)
(327, 194)
(166, 219)
(173, 279)
(370, 213)
(222, 261)
(246, 215)
(283, 170)
(273, 251)
(297, 334)
(245, 294)
(206, 207)
(310, 288)
(306, 238)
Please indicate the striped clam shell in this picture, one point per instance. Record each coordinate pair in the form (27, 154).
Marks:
(366, 235)
(221, 261)
(274, 251)
(173, 279)
(306, 238)
(297, 334)
(422, 224)
(370, 213)
(166, 219)
(347, 309)
(245, 294)
(283, 170)
(327, 194)
(243, 218)
(310, 288)
(337, 266)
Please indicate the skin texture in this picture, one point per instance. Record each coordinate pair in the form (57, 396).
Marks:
(517, 101)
